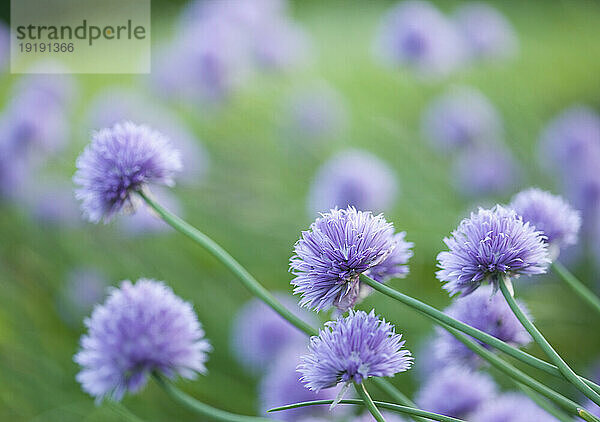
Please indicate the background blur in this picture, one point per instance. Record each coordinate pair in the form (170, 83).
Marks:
(257, 143)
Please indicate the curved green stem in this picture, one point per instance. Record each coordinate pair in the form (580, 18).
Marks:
(440, 317)
(249, 281)
(395, 394)
(543, 403)
(201, 408)
(389, 406)
(517, 374)
(565, 369)
(578, 287)
(368, 401)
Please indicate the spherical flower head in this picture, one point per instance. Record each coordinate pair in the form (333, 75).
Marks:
(488, 34)
(356, 178)
(330, 256)
(487, 312)
(461, 118)
(352, 349)
(511, 407)
(259, 334)
(396, 264)
(455, 392)
(492, 243)
(141, 328)
(119, 162)
(550, 214)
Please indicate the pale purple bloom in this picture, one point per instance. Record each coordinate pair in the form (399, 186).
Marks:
(356, 178)
(461, 118)
(281, 385)
(259, 333)
(352, 349)
(396, 264)
(417, 35)
(279, 45)
(49, 80)
(550, 214)
(488, 34)
(492, 243)
(487, 312)
(118, 162)
(84, 287)
(330, 256)
(52, 203)
(485, 170)
(456, 391)
(141, 328)
(511, 407)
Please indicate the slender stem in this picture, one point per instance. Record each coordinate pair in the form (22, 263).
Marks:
(201, 408)
(368, 401)
(567, 372)
(440, 317)
(389, 406)
(518, 375)
(543, 403)
(395, 394)
(578, 287)
(249, 281)
(125, 413)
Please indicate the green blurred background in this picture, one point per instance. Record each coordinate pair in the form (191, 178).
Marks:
(254, 204)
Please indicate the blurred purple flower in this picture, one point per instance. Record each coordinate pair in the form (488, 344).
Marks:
(83, 288)
(487, 312)
(396, 264)
(355, 178)
(491, 243)
(142, 327)
(456, 392)
(52, 203)
(461, 118)
(416, 34)
(118, 162)
(280, 45)
(259, 333)
(352, 349)
(485, 170)
(511, 407)
(330, 256)
(550, 214)
(488, 34)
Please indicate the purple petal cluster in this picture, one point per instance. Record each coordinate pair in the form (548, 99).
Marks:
(330, 256)
(396, 264)
(490, 244)
(488, 34)
(417, 35)
(487, 312)
(141, 328)
(118, 162)
(259, 334)
(356, 178)
(511, 407)
(550, 214)
(456, 392)
(352, 349)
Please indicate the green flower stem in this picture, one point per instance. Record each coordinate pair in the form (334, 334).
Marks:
(368, 401)
(395, 394)
(389, 406)
(578, 287)
(123, 412)
(201, 408)
(520, 376)
(440, 317)
(249, 281)
(567, 372)
(543, 403)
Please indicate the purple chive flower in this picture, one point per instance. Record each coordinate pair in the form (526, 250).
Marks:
(352, 349)
(463, 117)
(120, 161)
(279, 45)
(355, 178)
(456, 392)
(490, 244)
(259, 333)
(52, 203)
(511, 407)
(330, 256)
(497, 171)
(281, 385)
(550, 214)
(84, 288)
(486, 312)
(141, 328)
(417, 35)
(488, 34)
(396, 264)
